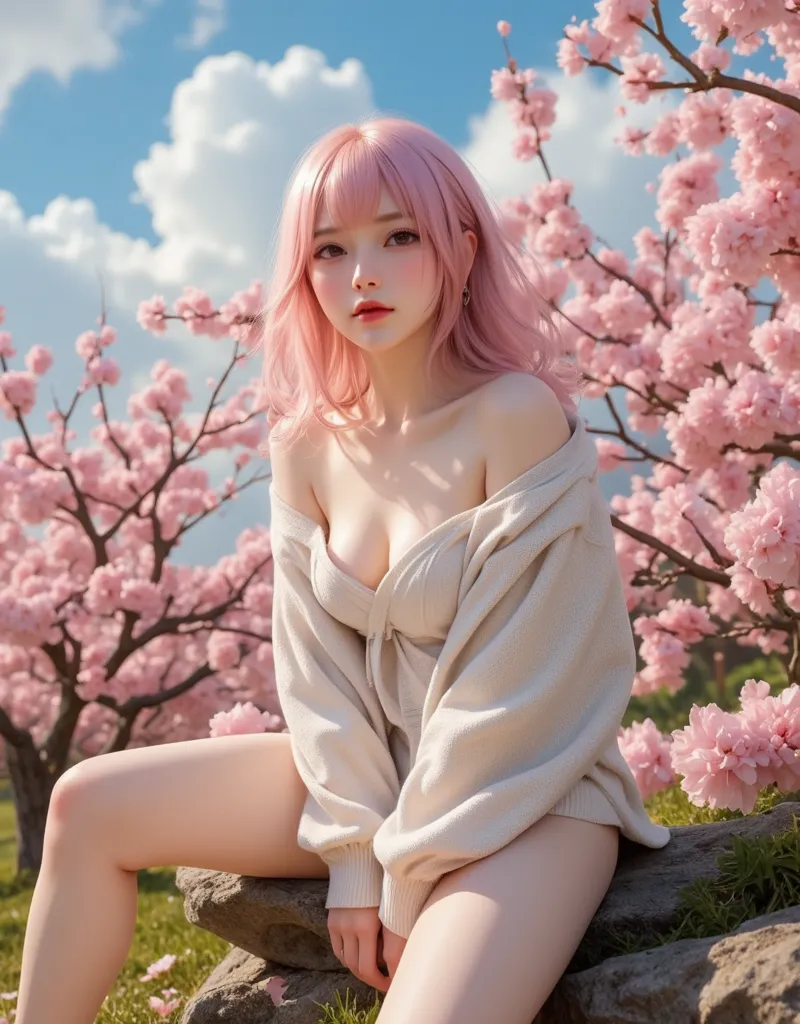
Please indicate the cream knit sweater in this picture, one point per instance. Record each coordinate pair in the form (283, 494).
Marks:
(481, 686)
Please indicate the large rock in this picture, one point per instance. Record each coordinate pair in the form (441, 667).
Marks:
(751, 976)
(282, 920)
(240, 990)
(282, 923)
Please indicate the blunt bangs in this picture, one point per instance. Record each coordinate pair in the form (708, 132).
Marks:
(350, 186)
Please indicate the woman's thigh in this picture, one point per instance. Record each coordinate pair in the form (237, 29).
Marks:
(495, 936)
(228, 803)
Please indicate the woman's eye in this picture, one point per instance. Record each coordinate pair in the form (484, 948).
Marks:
(324, 249)
(411, 234)
(394, 234)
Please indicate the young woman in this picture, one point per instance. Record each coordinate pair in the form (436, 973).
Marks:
(452, 649)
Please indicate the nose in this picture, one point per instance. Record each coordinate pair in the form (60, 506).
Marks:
(363, 278)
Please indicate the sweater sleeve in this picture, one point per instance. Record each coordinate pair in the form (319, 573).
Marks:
(338, 736)
(529, 690)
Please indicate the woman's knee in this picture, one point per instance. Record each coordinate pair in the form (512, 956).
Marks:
(74, 790)
(189, 803)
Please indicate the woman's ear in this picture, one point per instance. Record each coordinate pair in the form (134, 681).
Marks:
(471, 241)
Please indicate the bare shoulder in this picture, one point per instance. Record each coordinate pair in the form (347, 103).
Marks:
(293, 467)
(521, 423)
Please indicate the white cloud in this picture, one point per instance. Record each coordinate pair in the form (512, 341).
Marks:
(209, 21)
(58, 38)
(214, 190)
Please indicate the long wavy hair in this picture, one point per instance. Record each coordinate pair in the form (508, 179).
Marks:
(309, 367)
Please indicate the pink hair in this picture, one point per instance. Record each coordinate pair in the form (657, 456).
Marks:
(309, 367)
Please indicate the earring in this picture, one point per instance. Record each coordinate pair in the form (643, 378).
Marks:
(465, 295)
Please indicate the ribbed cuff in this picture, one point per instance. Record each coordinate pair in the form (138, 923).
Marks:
(355, 876)
(402, 903)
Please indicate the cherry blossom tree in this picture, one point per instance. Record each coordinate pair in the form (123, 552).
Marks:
(105, 641)
(678, 335)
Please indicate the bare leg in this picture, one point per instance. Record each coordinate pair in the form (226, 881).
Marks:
(495, 936)
(189, 803)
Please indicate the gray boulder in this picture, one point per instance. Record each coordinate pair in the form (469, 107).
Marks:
(239, 990)
(751, 976)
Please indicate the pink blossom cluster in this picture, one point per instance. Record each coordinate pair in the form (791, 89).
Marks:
(648, 754)
(725, 759)
(243, 719)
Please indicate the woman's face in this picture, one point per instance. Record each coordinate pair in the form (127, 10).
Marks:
(384, 261)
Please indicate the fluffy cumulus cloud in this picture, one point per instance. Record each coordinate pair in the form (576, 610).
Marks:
(236, 129)
(58, 38)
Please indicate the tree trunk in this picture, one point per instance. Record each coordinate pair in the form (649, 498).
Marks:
(32, 783)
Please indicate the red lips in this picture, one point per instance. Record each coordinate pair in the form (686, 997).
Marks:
(366, 307)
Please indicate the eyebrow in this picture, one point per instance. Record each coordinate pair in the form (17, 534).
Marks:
(394, 215)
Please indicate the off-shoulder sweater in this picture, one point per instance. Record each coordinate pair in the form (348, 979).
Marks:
(479, 687)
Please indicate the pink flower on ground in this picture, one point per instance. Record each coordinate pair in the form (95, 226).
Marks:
(275, 988)
(162, 1007)
(159, 967)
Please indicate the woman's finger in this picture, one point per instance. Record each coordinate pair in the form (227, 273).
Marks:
(350, 956)
(356, 948)
(393, 947)
(337, 944)
(368, 960)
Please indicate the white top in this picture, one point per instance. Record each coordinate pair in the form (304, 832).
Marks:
(481, 686)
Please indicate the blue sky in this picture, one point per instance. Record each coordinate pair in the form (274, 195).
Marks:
(432, 63)
(118, 121)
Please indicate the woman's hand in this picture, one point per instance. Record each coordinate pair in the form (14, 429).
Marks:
(354, 933)
(392, 946)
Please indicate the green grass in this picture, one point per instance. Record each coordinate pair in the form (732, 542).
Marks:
(755, 878)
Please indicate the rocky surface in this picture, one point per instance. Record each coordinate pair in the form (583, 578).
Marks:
(751, 976)
(279, 929)
(247, 990)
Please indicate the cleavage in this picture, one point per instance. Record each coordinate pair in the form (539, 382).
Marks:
(368, 541)
(381, 550)
(380, 499)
